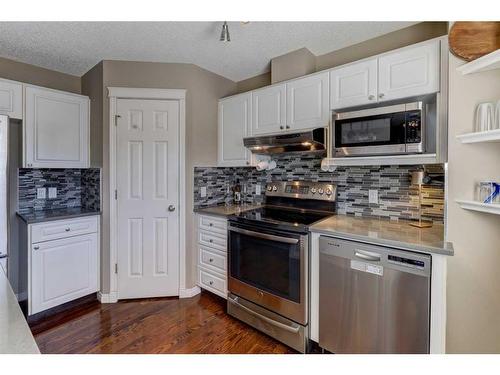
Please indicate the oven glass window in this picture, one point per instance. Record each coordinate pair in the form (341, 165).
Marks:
(269, 265)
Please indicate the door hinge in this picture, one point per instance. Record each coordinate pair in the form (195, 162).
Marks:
(116, 119)
(116, 194)
(116, 268)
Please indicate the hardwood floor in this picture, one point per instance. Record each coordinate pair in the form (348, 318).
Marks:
(161, 325)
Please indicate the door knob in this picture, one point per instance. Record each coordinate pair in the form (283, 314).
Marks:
(171, 208)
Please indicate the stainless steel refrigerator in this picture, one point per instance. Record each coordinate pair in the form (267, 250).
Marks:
(10, 160)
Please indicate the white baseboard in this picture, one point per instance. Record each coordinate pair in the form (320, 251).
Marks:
(107, 297)
(188, 293)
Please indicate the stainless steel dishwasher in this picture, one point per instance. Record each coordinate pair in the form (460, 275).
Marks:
(372, 299)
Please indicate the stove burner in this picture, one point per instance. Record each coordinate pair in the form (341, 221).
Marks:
(284, 215)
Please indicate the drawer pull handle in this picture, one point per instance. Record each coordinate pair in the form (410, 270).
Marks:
(211, 260)
(67, 229)
(211, 282)
(36, 247)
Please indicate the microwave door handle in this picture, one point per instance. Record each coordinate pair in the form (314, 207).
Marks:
(290, 328)
(265, 236)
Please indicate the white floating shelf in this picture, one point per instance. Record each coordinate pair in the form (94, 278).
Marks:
(490, 208)
(487, 136)
(384, 160)
(487, 62)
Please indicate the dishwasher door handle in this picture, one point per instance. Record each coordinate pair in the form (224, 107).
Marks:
(367, 255)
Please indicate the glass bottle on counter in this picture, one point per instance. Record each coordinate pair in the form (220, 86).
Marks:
(237, 192)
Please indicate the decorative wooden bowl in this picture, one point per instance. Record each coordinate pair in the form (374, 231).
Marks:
(470, 40)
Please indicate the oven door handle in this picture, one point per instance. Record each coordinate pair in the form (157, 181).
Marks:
(290, 328)
(265, 236)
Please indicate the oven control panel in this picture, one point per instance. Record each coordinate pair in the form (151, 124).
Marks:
(302, 190)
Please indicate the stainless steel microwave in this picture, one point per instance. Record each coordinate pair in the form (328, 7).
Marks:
(391, 130)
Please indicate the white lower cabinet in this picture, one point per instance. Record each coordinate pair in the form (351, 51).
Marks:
(62, 269)
(212, 254)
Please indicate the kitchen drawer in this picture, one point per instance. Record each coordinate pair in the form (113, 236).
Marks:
(212, 224)
(63, 228)
(212, 282)
(212, 259)
(216, 241)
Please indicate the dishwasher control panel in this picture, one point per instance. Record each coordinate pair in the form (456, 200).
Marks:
(405, 261)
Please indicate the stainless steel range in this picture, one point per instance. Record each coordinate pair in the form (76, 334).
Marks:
(269, 259)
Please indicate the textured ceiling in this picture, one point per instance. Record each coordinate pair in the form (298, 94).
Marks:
(75, 47)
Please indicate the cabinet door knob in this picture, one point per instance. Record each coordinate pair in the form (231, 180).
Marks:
(210, 240)
(171, 208)
(211, 224)
(288, 126)
(36, 247)
(211, 260)
(371, 97)
(211, 282)
(67, 229)
(381, 95)
(281, 127)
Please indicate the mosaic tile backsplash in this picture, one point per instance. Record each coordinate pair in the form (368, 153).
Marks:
(75, 188)
(397, 198)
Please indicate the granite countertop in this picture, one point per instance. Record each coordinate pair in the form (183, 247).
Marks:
(398, 234)
(56, 214)
(15, 335)
(225, 211)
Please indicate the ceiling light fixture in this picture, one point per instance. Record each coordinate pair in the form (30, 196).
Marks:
(224, 35)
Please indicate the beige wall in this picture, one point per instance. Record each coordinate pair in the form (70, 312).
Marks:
(18, 71)
(92, 86)
(473, 289)
(203, 90)
(397, 39)
(254, 82)
(289, 65)
(292, 65)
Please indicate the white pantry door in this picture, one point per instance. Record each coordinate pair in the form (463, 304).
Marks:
(148, 198)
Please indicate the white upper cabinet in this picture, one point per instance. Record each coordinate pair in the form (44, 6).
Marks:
(234, 122)
(56, 129)
(409, 72)
(11, 99)
(269, 110)
(307, 102)
(354, 84)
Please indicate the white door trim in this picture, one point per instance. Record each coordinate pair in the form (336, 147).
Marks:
(115, 93)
